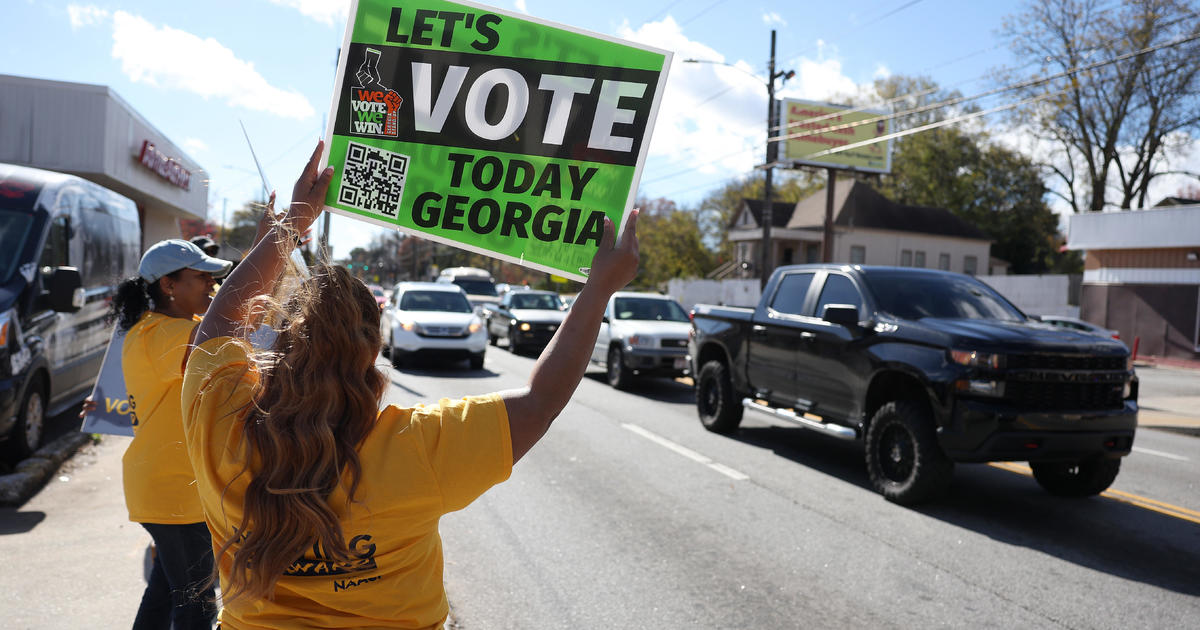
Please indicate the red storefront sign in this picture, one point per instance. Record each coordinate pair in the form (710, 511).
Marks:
(167, 168)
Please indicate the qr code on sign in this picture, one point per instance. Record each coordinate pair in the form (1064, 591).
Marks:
(373, 180)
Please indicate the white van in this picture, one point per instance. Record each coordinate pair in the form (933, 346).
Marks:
(477, 283)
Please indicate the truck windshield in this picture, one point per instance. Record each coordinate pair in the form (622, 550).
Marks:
(649, 309)
(918, 295)
(545, 301)
(476, 286)
(14, 230)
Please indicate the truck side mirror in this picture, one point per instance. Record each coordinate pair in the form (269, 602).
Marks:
(604, 319)
(64, 290)
(841, 314)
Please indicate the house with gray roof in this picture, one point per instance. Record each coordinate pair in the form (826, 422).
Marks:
(869, 229)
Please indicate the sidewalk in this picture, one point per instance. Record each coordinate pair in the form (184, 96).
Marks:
(1174, 407)
(75, 559)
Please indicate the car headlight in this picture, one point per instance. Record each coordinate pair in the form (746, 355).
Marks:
(971, 358)
(642, 341)
(475, 327)
(525, 326)
(410, 326)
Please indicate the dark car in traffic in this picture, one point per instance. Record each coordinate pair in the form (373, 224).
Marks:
(527, 319)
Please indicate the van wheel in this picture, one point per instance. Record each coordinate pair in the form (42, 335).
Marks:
(720, 411)
(619, 376)
(477, 361)
(1076, 479)
(904, 461)
(31, 420)
(513, 346)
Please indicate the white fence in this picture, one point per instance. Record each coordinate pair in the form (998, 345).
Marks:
(1034, 294)
(1037, 294)
(722, 292)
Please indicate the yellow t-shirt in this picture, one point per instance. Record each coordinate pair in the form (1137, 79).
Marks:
(160, 486)
(417, 464)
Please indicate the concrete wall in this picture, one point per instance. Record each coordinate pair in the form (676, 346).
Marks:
(1037, 294)
(724, 292)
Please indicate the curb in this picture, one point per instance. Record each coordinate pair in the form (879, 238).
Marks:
(31, 473)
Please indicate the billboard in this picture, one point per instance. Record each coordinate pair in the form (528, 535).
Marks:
(834, 136)
(495, 132)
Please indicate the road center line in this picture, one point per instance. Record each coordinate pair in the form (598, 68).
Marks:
(686, 452)
(1178, 458)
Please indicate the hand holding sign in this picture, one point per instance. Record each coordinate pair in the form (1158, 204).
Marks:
(308, 195)
(615, 266)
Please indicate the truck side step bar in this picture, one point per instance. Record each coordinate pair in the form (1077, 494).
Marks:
(789, 416)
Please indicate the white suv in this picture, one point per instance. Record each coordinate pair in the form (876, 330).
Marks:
(643, 334)
(435, 320)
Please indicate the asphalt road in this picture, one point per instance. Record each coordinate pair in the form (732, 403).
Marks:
(630, 515)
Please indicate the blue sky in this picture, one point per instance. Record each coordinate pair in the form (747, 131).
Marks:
(195, 69)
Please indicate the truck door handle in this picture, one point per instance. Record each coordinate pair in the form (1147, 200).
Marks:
(807, 336)
(758, 330)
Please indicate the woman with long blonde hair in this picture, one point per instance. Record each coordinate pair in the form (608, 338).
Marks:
(324, 509)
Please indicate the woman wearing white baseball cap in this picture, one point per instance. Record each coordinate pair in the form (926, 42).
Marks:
(160, 309)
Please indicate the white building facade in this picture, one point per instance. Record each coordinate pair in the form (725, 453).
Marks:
(89, 131)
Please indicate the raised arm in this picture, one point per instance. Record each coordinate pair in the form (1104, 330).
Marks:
(258, 273)
(560, 368)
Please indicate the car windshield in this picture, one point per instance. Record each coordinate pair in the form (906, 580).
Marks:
(476, 286)
(543, 301)
(377, 292)
(917, 296)
(649, 309)
(14, 230)
(441, 301)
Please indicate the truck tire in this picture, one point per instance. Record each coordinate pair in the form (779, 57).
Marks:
(1076, 479)
(619, 376)
(26, 434)
(720, 410)
(904, 461)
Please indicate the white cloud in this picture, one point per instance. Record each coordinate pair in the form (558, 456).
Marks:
(772, 17)
(324, 11)
(520, 5)
(85, 15)
(194, 145)
(177, 59)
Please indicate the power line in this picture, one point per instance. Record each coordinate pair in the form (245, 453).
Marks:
(962, 99)
(702, 12)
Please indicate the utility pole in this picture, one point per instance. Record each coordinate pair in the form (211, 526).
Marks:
(772, 155)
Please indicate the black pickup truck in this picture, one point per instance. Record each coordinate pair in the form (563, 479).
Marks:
(928, 368)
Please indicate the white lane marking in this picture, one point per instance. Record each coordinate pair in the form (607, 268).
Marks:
(1178, 458)
(687, 452)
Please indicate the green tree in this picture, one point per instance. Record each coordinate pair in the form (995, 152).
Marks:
(670, 244)
(998, 190)
(719, 209)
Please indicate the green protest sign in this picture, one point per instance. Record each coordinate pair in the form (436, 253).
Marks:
(491, 131)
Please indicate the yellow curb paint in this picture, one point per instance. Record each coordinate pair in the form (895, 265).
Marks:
(1118, 495)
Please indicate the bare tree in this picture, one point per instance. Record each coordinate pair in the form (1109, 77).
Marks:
(1123, 82)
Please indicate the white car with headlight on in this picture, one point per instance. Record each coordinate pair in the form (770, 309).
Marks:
(435, 320)
(642, 334)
